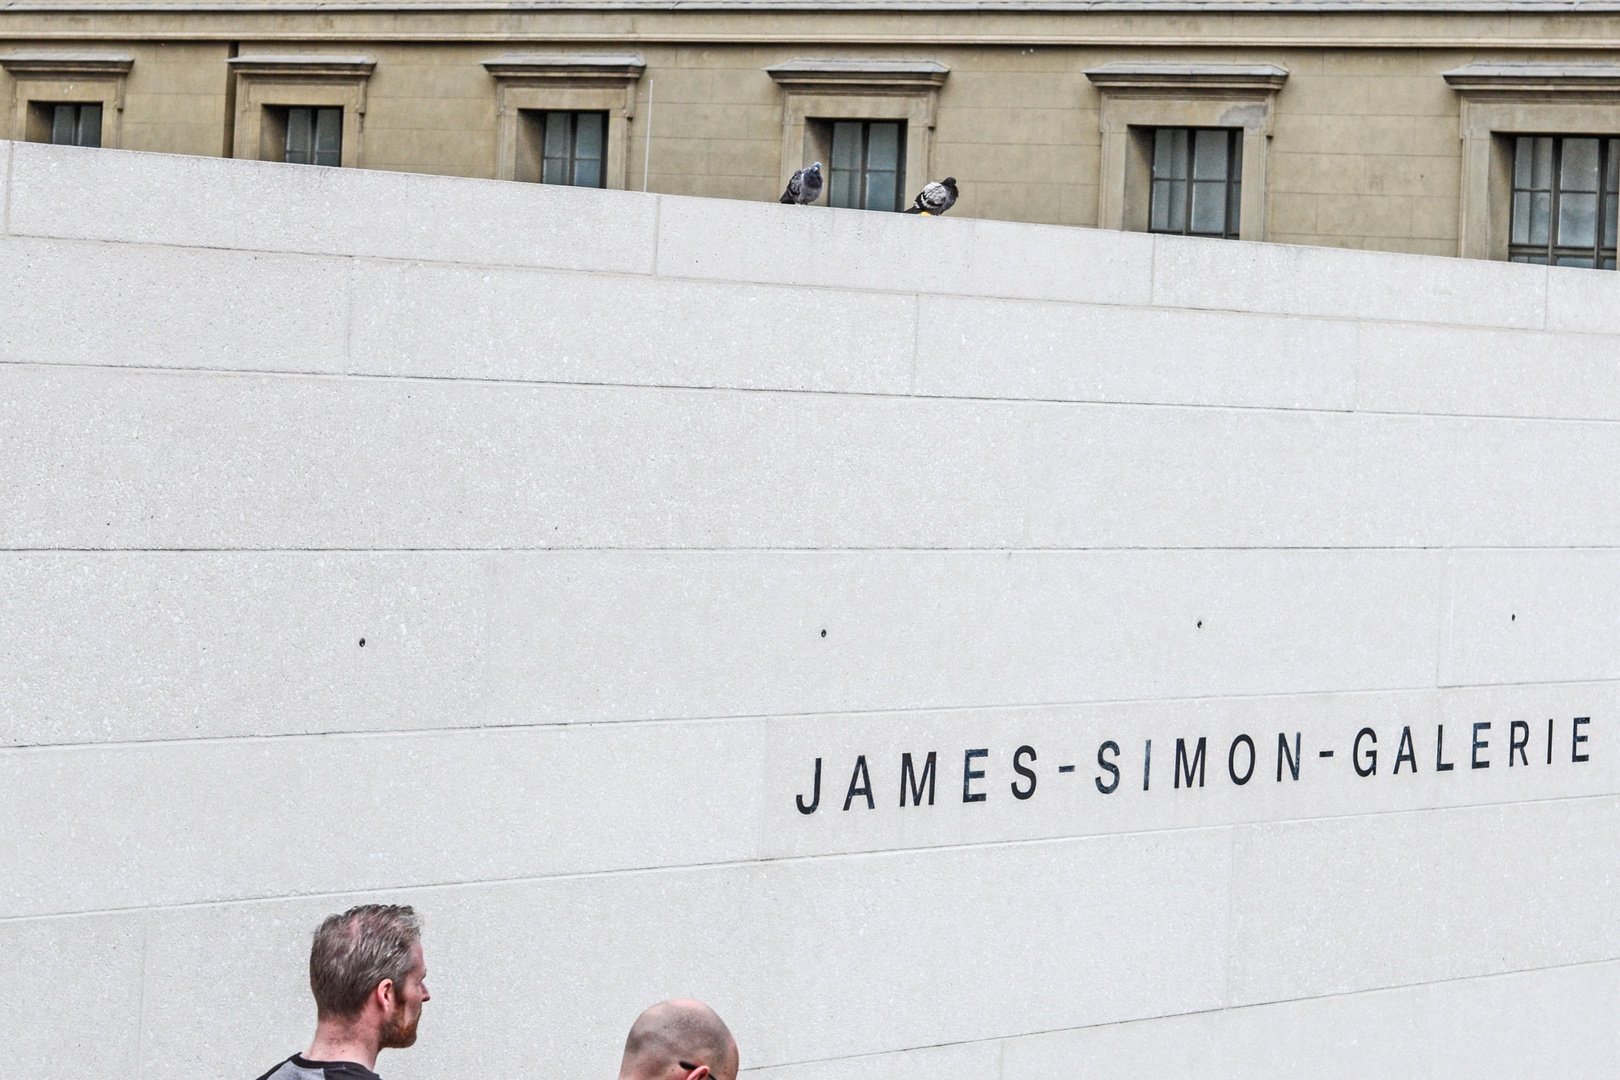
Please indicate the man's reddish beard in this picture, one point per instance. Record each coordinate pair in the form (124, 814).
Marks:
(397, 1033)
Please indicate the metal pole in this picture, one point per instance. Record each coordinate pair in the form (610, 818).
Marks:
(646, 158)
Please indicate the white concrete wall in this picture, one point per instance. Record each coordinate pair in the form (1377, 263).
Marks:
(591, 473)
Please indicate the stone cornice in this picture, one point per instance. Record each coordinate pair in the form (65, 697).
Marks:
(67, 65)
(1510, 78)
(966, 7)
(859, 75)
(304, 66)
(606, 68)
(1184, 77)
(838, 28)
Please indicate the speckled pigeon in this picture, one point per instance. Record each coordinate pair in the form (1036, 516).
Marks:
(935, 198)
(805, 187)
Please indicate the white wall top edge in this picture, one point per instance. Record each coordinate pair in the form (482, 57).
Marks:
(69, 192)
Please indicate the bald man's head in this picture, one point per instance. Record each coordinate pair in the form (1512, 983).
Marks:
(677, 1039)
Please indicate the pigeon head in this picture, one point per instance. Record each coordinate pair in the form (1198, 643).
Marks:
(815, 167)
(950, 182)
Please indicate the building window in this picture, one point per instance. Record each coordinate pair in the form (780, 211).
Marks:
(868, 160)
(1564, 200)
(68, 124)
(566, 118)
(314, 137)
(871, 120)
(306, 109)
(76, 99)
(1197, 177)
(573, 148)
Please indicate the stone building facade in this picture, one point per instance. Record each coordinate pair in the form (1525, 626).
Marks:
(1480, 129)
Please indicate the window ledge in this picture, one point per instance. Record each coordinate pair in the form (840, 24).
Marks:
(1188, 76)
(305, 66)
(859, 76)
(60, 65)
(576, 67)
(1486, 77)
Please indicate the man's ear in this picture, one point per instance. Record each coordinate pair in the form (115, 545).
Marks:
(385, 996)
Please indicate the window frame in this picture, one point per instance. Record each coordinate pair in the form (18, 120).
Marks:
(536, 121)
(1498, 103)
(42, 119)
(818, 91)
(315, 121)
(1139, 97)
(1552, 251)
(529, 83)
(267, 85)
(1234, 163)
(67, 79)
(830, 134)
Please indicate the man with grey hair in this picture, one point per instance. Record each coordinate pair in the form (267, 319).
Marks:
(679, 1040)
(366, 971)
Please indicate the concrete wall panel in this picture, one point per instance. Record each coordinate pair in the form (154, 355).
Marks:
(276, 817)
(74, 990)
(69, 193)
(758, 242)
(975, 347)
(1549, 1024)
(1330, 907)
(1407, 368)
(1199, 273)
(264, 462)
(957, 1059)
(271, 462)
(1584, 301)
(106, 647)
(1035, 628)
(111, 647)
(545, 801)
(1214, 477)
(1531, 616)
(800, 459)
(571, 328)
(115, 305)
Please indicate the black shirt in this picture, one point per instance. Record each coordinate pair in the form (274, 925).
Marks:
(299, 1067)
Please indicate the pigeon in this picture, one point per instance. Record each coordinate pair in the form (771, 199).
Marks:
(935, 198)
(805, 187)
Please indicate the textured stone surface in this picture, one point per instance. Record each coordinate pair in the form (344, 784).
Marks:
(68, 192)
(155, 645)
(1549, 1024)
(138, 305)
(641, 505)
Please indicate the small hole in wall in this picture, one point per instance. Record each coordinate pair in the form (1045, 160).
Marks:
(362, 643)
(824, 633)
(1200, 624)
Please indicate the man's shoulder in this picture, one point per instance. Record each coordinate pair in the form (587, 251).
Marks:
(299, 1067)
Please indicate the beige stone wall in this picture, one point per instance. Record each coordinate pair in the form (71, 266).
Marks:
(175, 101)
(429, 109)
(1365, 154)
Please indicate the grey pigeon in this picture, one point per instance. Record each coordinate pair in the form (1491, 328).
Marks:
(935, 198)
(805, 187)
